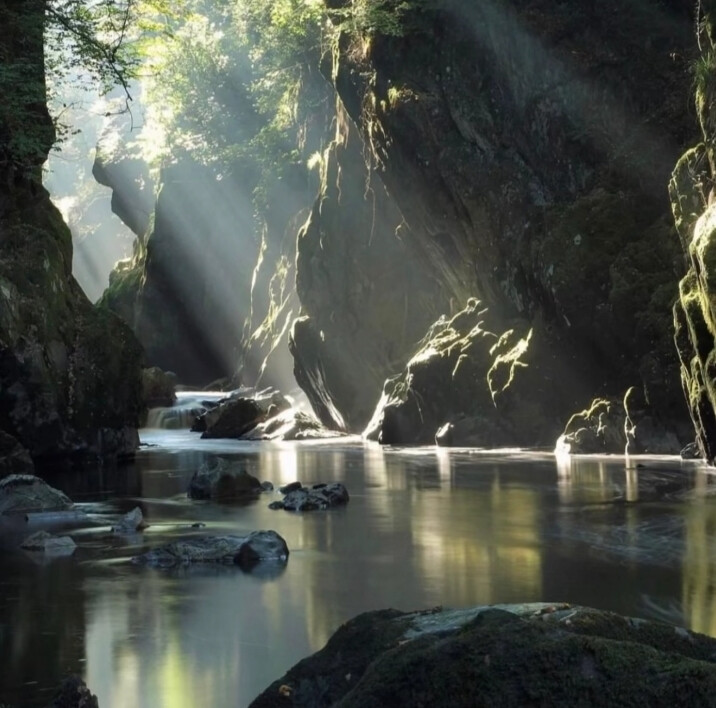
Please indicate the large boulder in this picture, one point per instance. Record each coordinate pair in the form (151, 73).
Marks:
(244, 551)
(218, 478)
(27, 493)
(505, 655)
(487, 387)
(291, 424)
(238, 415)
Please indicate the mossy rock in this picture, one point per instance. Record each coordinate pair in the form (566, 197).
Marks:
(506, 655)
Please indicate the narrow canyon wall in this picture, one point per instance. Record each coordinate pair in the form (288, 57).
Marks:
(692, 193)
(69, 373)
(526, 148)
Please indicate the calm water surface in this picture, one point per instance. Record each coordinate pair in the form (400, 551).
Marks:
(424, 527)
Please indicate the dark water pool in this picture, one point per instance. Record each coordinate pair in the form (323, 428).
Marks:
(424, 527)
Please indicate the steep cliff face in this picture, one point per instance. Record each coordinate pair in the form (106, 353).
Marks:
(526, 146)
(69, 374)
(366, 297)
(692, 192)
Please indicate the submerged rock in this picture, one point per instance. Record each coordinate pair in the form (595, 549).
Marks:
(20, 493)
(49, 544)
(218, 478)
(241, 550)
(318, 496)
(502, 655)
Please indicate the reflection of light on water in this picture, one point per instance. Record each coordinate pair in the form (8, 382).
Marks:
(632, 484)
(493, 557)
(279, 465)
(444, 465)
(563, 460)
(699, 569)
(587, 479)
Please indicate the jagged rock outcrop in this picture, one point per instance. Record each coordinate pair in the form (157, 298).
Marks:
(692, 192)
(526, 147)
(503, 655)
(366, 297)
(69, 373)
(471, 384)
(120, 165)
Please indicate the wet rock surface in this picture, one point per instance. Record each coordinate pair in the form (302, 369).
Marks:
(27, 493)
(291, 425)
(318, 496)
(501, 655)
(130, 523)
(245, 551)
(69, 371)
(239, 413)
(219, 478)
(488, 388)
(691, 190)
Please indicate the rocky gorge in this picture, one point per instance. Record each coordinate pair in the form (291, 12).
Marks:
(456, 225)
(510, 160)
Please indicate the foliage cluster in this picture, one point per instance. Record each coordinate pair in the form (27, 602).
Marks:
(235, 82)
(43, 42)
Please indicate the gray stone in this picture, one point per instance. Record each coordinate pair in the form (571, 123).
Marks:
(320, 496)
(49, 544)
(131, 522)
(241, 550)
(23, 493)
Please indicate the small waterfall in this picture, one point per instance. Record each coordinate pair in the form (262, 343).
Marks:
(180, 416)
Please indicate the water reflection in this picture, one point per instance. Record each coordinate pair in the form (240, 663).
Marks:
(424, 527)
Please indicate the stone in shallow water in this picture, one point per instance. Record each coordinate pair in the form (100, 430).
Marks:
(241, 550)
(131, 522)
(218, 478)
(24, 492)
(502, 655)
(49, 544)
(319, 496)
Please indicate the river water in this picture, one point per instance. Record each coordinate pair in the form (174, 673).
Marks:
(424, 527)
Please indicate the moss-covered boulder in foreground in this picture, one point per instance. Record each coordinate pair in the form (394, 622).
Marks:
(504, 655)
